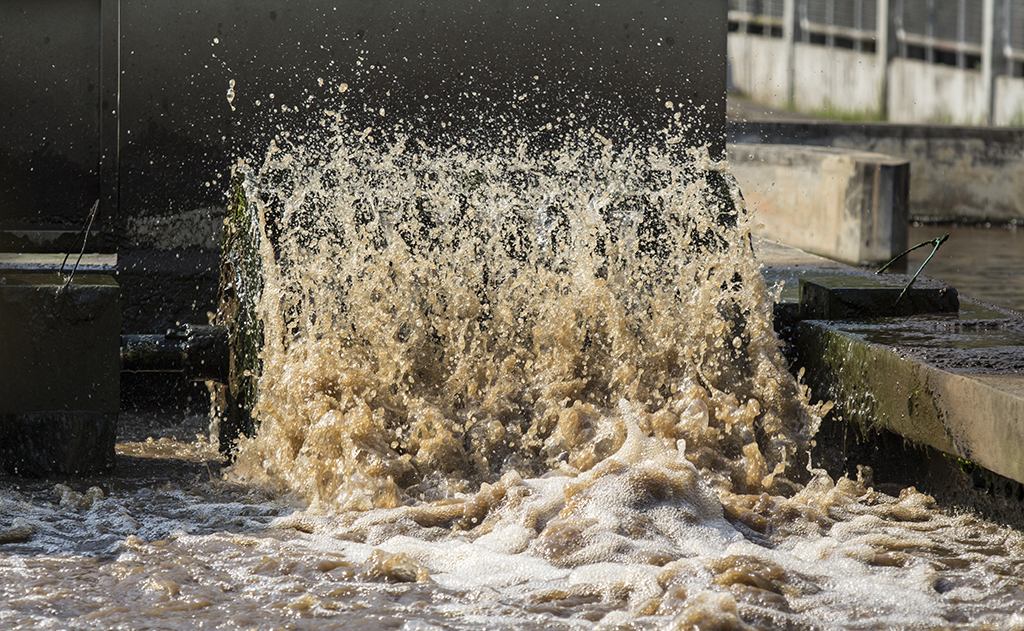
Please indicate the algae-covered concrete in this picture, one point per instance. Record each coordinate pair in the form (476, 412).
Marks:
(59, 373)
(979, 418)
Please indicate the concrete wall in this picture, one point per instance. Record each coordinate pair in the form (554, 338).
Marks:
(759, 66)
(844, 204)
(920, 92)
(1010, 101)
(846, 82)
(838, 80)
(50, 115)
(956, 173)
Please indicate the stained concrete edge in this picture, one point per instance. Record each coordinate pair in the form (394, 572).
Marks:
(14, 262)
(976, 416)
(985, 418)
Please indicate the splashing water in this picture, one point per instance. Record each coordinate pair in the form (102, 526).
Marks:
(434, 320)
(503, 388)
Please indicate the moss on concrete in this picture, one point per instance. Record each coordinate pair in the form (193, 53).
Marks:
(241, 284)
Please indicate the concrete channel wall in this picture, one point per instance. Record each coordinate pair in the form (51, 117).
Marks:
(973, 174)
(938, 369)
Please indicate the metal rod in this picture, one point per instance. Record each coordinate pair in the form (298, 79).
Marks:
(935, 243)
(84, 235)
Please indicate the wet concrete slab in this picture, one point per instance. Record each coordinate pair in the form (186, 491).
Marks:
(859, 297)
(953, 380)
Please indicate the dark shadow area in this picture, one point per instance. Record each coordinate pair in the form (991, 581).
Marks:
(957, 485)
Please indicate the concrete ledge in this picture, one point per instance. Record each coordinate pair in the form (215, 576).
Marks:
(957, 173)
(847, 205)
(953, 381)
(36, 262)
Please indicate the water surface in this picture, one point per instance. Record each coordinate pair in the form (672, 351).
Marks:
(984, 263)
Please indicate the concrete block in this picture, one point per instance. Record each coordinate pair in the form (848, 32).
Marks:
(853, 297)
(59, 373)
(847, 205)
(972, 174)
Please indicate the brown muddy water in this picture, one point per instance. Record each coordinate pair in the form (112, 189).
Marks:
(498, 391)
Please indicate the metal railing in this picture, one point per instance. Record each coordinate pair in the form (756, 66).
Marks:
(844, 23)
(757, 16)
(832, 22)
(940, 31)
(950, 32)
(1011, 34)
(848, 23)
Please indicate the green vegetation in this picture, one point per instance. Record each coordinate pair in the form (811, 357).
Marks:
(831, 112)
(241, 285)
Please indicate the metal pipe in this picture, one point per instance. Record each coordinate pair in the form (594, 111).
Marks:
(201, 352)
